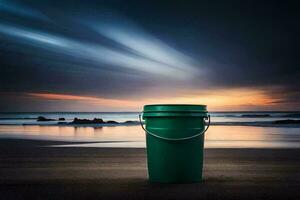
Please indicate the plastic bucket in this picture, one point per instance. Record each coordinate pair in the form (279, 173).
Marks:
(175, 141)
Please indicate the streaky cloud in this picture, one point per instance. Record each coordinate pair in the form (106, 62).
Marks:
(33, 36)
(144, 44)
(94, 53)
(22, 10)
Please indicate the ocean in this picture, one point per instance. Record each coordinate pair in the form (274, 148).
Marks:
(216, 117)
(228, 130)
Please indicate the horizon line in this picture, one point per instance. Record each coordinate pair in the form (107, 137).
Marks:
(139, 111)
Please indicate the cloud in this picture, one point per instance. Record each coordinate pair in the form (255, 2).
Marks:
(143, 44)
(21, 10)
(90, 50)
(33, 37)
(95, 53)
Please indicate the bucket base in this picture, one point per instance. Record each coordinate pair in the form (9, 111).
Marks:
(175, 162)
(175, 181)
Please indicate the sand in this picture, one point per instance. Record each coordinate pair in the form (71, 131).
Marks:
(31, 170)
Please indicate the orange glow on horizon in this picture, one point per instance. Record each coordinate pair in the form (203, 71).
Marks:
(86, 99)
(234, 99)
(237, 99)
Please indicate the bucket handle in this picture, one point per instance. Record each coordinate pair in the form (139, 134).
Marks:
(174, 139)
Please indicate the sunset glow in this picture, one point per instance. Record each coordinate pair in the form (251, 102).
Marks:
(83, 99)
(239, 99)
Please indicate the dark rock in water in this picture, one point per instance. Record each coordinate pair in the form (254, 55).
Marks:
(130, 122)
(44, 119)
(111, 122)
(61, 119)
(288, 121)
(98, 121)
(87, 121)
(256, 115)
(81, 121)
(294, 115)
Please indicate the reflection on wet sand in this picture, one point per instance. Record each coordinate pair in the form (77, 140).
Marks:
(216, 137)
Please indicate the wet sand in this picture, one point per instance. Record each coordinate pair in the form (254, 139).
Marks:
(31, 170)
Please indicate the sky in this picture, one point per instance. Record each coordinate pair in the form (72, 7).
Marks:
(119, 55)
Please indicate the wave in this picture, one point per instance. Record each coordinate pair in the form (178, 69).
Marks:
(276, 123)
(18, 118)
(275, 115)
(293, 115)
(256, 115)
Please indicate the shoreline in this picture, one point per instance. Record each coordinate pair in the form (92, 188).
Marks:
(256, 124)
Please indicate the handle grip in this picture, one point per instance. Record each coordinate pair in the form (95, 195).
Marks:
(174, 139)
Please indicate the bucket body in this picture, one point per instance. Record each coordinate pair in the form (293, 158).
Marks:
(175, 141)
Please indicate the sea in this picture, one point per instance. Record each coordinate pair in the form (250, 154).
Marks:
(227, 130)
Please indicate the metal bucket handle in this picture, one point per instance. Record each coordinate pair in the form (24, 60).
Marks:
(174, 139)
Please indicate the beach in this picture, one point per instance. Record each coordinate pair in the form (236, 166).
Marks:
(46, 160)
(30, 169)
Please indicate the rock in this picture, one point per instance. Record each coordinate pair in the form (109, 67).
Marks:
(61, 119)
(288, 121)
(98, 121)
(44, 119)
(130, 122)
(87, 121)
(112, 122)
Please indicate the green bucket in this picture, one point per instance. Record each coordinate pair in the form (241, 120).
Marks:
(175, 141)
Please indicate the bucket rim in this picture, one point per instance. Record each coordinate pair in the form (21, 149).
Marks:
(187, 108)
(174, 104)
